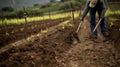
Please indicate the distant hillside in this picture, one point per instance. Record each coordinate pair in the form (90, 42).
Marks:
(17, 4)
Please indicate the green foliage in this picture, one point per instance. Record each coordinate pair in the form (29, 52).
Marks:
(77, 5)
(81, 1)
(35, 18)
(36, 5)
(64, 6)
(64, 0)
(52, 1)
(19, 13)
(35, 13)
(7, 9)
(40, 10)
(45, 6)
(68, 5)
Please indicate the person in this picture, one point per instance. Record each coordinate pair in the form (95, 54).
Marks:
(93, 6)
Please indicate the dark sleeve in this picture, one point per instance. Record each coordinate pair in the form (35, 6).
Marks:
(104, 7)
(87, 8)
(106, 4)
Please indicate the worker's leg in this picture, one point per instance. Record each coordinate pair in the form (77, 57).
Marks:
(93, 22)
(103, 24)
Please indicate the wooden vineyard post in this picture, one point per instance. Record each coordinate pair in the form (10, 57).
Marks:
(25, 15)
(72, 10)
(4, 22)
(2, 18)
(49, 14)
(43, 17)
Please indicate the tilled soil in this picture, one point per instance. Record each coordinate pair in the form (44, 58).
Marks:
(53, 51)
(41, 54)
(13, 33)
(115, 31)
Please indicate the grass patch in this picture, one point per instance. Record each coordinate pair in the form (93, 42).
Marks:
(37, 18)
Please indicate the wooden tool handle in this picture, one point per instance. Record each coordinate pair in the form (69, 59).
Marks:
(97, 25)
(79, 27)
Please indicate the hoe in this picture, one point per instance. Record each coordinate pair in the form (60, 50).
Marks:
(74, 35)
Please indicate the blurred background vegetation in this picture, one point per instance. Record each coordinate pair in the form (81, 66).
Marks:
(53, 6)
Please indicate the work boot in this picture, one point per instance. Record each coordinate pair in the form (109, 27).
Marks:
(93, 36)
(106, 34)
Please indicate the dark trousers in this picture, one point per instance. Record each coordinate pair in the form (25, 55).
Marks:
(93, 21)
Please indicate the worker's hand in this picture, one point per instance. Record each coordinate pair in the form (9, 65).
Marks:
(102, 16)
(81, 19)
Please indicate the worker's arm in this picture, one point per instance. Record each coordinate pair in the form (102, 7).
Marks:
(104, 8)
(85, 11)
(106, 3)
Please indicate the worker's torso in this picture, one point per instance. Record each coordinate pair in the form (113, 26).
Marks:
(99, 5)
